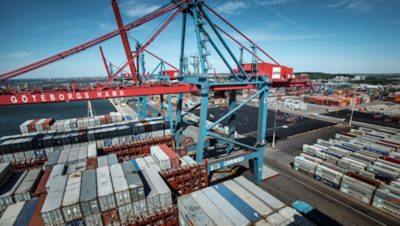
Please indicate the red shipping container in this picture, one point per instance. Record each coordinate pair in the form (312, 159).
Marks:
(91, 163)
(171, 154)
(47, 123)
(32, 126)
(36, 219)
(365, 179)
(391, 159)
(41, 186)
(397, 147)
(110, 217)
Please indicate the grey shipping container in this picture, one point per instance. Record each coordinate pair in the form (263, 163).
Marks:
(264, 196)
(70, 205)
(112, 159)
(11, 214)
(28, 185)
(190, 212)
(135, 184)
(51, 210)
(88, 195)
(105, 191)
(211, 209)
(57, 170)
(53, 159)
(93, 220)
(102, 161)
(152, 195)
(162, 188)
(64, 156)
(120, 185)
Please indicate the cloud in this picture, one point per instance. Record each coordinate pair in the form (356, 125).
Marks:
(360, 6)
(273, 2)
(232, 7)
(133, 9)
(19, 54)
(262, 36)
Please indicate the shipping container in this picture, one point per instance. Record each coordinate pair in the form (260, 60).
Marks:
(188, 160)
(88, 195)
(11, 214)
(41, 186)
(190, 212)
(278, 219)
(92, 150)
(6, 172)
(248, 198)
(303, 165)
(53, 159)
(57, 170)
(386, 202)
(152, 163)
(7, 191)
(295, 217)
(120, 185)
(134, 181)
(174, 158)
(310, 158)
(382, 174)
(51, 210)
(105, 190)
(91, 163)
(27, 212)
(64, 155)
(210, 209)
(357, 189)
(70, 205)
(93, 220)
(160, 157)
(112, 159)
(28, 185)
(328, 176)
(225, 206)
(102, 161)
(264, 196)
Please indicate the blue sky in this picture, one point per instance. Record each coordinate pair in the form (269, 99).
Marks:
(336, 36)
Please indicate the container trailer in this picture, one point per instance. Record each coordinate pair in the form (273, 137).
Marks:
(305, 166)
(328, 176)
(386, 202)
(313, 214)
(357, 189)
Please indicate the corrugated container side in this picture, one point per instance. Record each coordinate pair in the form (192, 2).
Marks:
(190, 213)
(120, 185)
(105, 191)
(93, 220)
(51, 210)
(57, 170)
(278, 219)
(152, 195)
(112, 159)
(70, 205)
(162, 188)
(11, 214)
(134, 181)
(102, 161)
(88, 196)
(264, 196)
(229, 211)
(53, 159)
(210, 209)
(91, 163)
(174, 158)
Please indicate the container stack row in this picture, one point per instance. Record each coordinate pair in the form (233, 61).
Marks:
(236, 202)
(39, 144)
(362, 163)
(17, 186)
(112, 193)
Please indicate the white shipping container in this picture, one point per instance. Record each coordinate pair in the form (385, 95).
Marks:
(120, 185)
(191, 213)
(51, 210)
(11, 214)
(105, 191)
(70, 206)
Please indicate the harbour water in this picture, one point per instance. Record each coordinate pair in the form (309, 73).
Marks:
(12, 116)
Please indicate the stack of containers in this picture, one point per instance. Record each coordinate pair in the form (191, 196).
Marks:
(41, 186)
(165, 157)
(10, 216)
(51, 210)
(136, 188)
(122, 194)
(160, 194)
(105, 190)
(71, 208)
(6, 171)
(27, 211)
(7, 192)
(27, 186)
(88, 198)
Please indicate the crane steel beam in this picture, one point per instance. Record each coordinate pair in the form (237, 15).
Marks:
(238, 31)
(140, 50)
(105, 63)
(159, 58)
(124, 38)
(63, 96)
(91, 43)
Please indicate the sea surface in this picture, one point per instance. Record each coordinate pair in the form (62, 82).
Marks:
(12, 116)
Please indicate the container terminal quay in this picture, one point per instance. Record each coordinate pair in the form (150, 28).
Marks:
(183, 144)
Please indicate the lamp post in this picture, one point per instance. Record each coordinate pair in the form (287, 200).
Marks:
(273, 135)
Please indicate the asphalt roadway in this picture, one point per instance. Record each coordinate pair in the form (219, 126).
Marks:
(291, 185)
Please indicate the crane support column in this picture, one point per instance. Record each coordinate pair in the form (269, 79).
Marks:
(232, 119)
(202, 123)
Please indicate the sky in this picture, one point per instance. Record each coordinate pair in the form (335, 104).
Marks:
(333, 36)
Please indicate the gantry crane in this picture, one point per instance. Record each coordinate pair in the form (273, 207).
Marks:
(230, 150)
